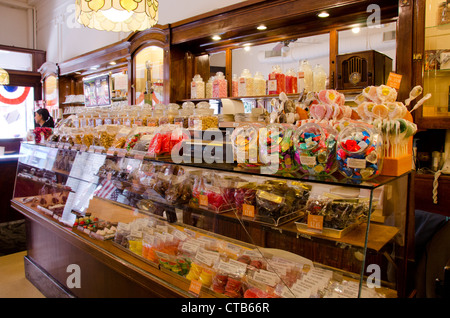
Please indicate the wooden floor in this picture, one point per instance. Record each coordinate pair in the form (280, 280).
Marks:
(13, 283)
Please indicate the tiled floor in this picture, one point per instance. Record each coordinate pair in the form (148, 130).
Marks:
(13, 283)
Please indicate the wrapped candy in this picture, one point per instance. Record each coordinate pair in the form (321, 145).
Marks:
(360, 151)
(329, 106)
(315, 149)
(276, 147)
(377, 105)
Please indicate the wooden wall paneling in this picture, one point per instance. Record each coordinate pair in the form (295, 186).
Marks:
(274, 14)
(405, 47)
(156, 36)
(201, 66)
(178, 75)
(229, 70)
(334, 51)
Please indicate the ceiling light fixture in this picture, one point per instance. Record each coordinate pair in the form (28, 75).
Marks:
(356, 30)
(261, 27)
(117, 15)
(216, 37)
(323, 14)
(112, 63)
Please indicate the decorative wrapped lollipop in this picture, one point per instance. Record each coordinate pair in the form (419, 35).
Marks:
(328, 107)
(315, 149)
(360, 151)
(276, 147)
(377, 105)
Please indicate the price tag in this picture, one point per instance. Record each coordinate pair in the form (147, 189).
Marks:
(195, 287)
(394, 80)
(315, 222)
(66, 146)
(83, 148)
(121, 152)
(203, 200)
(248, 210)
(110, 152)
(60, 146)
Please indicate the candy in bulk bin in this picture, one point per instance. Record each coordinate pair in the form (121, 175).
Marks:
(315, 149)
(276, 147)
(244, 140)
(220, 86)
(360, 151)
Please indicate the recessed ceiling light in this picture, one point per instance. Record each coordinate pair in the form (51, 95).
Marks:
(247, 48)
(112, 63)
(216, 38)
(323, 14)
(261, 27)
(94, 68)
(247, 44)
(356, 30)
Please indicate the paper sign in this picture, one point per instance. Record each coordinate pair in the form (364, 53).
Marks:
(394, 80)
(248, 210)
(203, 200)
(195, 287)
(315, 222)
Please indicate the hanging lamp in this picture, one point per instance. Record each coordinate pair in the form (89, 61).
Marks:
(4, 77)
(117, 15)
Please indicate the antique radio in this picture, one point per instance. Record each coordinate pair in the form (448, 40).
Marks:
(361, 69)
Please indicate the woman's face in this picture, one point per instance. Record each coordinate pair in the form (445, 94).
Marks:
(37, 118)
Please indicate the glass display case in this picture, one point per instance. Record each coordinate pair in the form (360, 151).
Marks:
(433, 53)
(219, 229)
(149, 75)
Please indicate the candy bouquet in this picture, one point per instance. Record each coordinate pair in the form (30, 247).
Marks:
(378, 106)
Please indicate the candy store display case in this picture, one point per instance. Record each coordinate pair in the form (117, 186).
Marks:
(144, 226)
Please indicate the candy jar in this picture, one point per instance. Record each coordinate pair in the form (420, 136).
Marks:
(172, 112)
(245, 87)
(277, 81)
(189, 107)
(315, 149)
(182, 119)
(197, 87)
(291, 82)
(209, 87)
(259, 85)
(305, 77)
(244, 141)
(319, 79)
(360, 151)
(235, 86)
(220, 86)
(276, 147)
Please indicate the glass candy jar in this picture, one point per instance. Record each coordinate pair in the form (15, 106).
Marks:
(360, 151)
(315, 149)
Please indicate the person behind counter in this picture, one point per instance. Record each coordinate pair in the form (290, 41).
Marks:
(43, 119)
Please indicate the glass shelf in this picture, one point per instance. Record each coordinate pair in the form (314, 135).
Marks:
(336, 179)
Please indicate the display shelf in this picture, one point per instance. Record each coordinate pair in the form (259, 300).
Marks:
(366, 240)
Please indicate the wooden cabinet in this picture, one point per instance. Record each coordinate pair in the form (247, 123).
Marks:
(431, 66)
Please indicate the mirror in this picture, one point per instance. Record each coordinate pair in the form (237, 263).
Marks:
(149, 76)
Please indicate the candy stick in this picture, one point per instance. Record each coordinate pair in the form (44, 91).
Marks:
(420, 102)
(415, 92)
